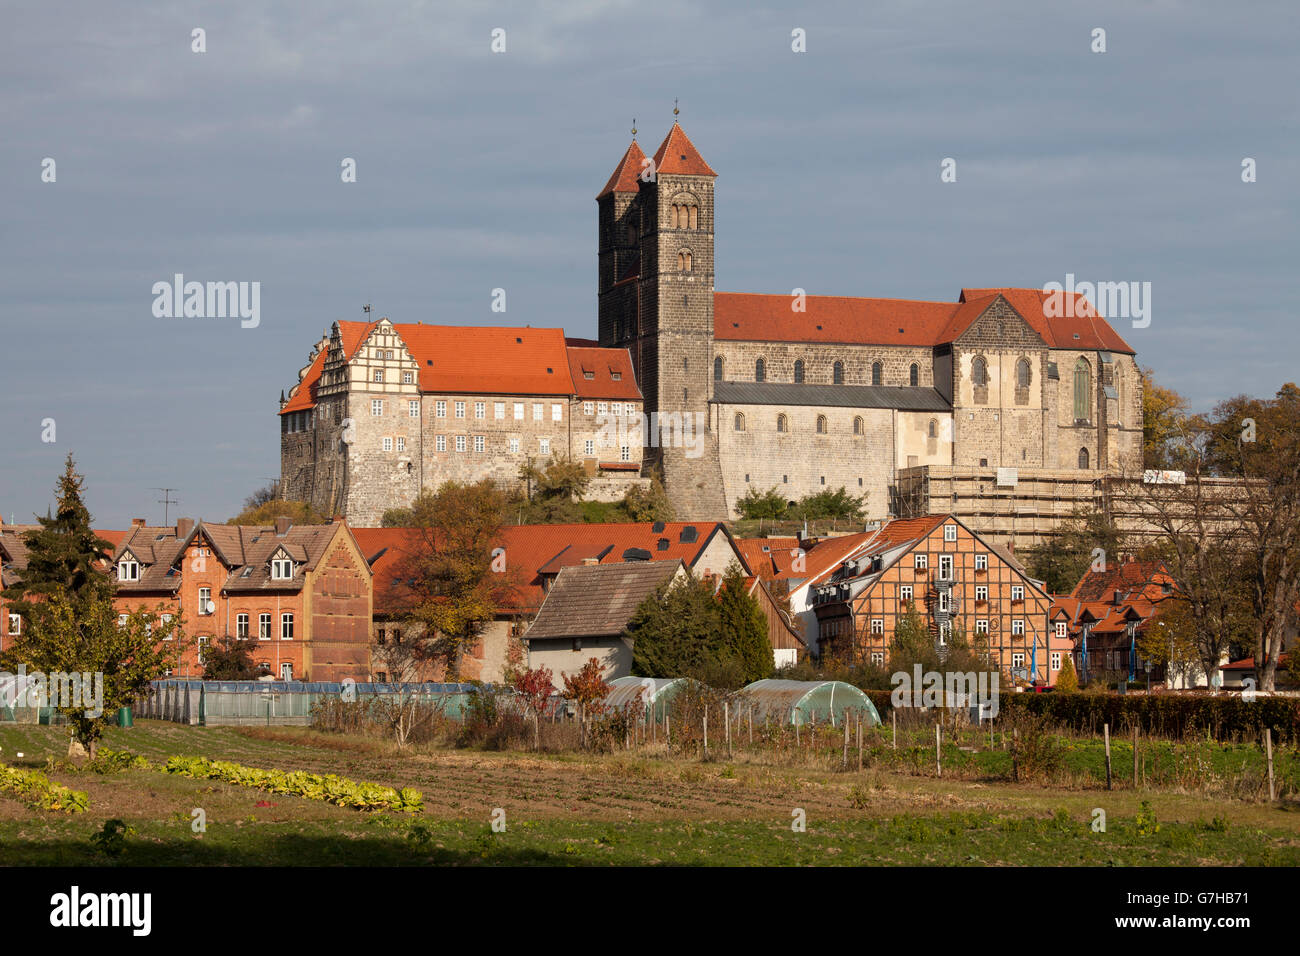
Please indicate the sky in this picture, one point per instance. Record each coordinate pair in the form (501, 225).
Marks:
(478, 170)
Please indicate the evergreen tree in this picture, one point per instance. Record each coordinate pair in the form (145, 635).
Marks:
(62, 555)
(673, 629)
(743, 627)
(1067, 681)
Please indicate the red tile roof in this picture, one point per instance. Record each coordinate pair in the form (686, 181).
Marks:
(626, 173)
(602, 365)
(677, 155)
(742, 316)
(494, 360)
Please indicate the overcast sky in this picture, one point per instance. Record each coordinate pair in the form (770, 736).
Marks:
(478, 170)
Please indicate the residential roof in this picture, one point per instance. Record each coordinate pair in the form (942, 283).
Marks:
(1141, 589)
(598, 600)
(624, 179)
(903, 397)
(761, 553)
(303, 395)
(245, 550)
(678, 156)
(602, 365)
(533, 553)
(739, 316)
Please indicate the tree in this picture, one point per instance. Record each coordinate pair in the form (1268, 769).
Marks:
(87, 638)
(229, 659)
(535, 686)
(553, 491)
(64, 555)
(743, 627)
(1062, 563)
(299, 512)
(587, 687)
(1164, 418)
(1067, 681)
(754, 504)
(267, 493)
(837, 504)
(1170, 641)
(456, 589)
(649, 504)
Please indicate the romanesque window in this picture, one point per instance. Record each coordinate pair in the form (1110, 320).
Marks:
(821, 424)
(837, 373)
(1083, 458)
(876, 372)
(740, 422)
(717, 369)
(914, 376)
(979, 373)
(1082, 391)
(683, 261)
(934, 426)
(760, 371)
(1023, 373)
(857, 425)
(695, 210)
(798, 371)
(782, 423)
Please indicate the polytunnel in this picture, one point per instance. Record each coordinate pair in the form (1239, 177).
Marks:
(808, 701)
(657, 693)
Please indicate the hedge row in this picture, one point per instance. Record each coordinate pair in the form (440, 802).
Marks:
(1176, 716)
(332, 789)
(38, 791)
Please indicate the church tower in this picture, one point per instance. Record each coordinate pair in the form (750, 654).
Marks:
(655, 293)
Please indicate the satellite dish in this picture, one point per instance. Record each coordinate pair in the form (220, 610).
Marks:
(212, 607)
(349, 431)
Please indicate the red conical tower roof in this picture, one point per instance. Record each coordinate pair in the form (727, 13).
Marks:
(678, 155)
(626, 172)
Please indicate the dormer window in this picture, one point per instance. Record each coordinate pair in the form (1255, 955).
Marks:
(128, 569)
(281, 568)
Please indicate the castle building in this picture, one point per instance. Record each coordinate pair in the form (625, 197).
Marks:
(799, 392)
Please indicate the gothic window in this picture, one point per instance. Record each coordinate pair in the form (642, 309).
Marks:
(782, 423)
(1082, 391)
(717, 369)
(684, 261)
(1083, 458)
(914, 377)
(1023, 374)
(821, 424)
(934, 426)
(857, 425)
(979, 372)
(798, 371)
(875, 373)
(837, 373)
(740, 422)
(760, 371)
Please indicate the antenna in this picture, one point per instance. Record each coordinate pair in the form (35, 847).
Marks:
(167, 501)
(366, 309)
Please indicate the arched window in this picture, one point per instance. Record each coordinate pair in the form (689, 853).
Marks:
(1082, 391)
(684, 261)
(857, 425)
(934, 425)
(914, 377)
(821, 424)
(717, 369)
(694, 216)
(875, 373)
(1023, 374)
(672, 218)
(979, 373)
(798, 371)
(837, 373)
(782, 423)
(740, 422)
(1083, 458)
(760, 371)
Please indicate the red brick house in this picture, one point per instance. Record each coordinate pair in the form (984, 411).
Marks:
(300, 594)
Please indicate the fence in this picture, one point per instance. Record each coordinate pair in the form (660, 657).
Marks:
(217, 703)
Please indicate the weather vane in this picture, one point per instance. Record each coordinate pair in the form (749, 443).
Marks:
(675, 109)
(633, 127)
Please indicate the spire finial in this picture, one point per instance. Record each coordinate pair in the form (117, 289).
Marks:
(634, 129)
(675, 109)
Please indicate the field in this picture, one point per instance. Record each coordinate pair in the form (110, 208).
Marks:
(638, 807)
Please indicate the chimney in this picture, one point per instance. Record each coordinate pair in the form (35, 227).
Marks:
(137, 522)
(591, 560)
(282, 526)
(183, 527)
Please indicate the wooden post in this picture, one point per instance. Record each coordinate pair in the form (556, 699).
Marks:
(537, 733)
(893, 722)
(1015, 764)
(706, 731)
(859, 741)
(1135, 757)
(1268, 742)
(846, 740)
(1105, 728)
(796, 732)
(938, 764)
(726, 719)
(751, 724)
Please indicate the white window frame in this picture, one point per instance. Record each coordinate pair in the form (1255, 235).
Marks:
(557, 412)
(241, 621)
(602, 408)
(589, 447)
(945, 633)
(920, 562)
(950, 532)
(945, 567)
(514, 446)
(877, 626)
(440, 409)
(544, 446)
(537, 411)
(378, 377)
(408, 378)
(588, 408)
(625, 453)
(480, 444)
(480, 410)
(128, 571)
(413, 408)
(440, 442)
(1017, 592)
(905, 592)
(286, 625)
(282, 569)
(401, 443)
(460, 410)
(460, 443)
(1017, 627)
(944, 603)
(499, 411)
(878, 658)
(1018, 659)
(981, 562)
(981, 592)
(1056, 660)
(1062, 629)
(15, 623)
(519, 411)
(388, 444)
(205, 601)
(264, 626)
(981, 625)
(376, 408)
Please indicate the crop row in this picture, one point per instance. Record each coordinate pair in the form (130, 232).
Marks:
(328, 787)
(40, 792)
